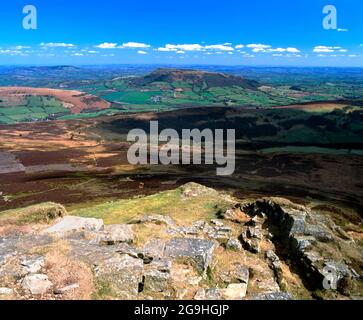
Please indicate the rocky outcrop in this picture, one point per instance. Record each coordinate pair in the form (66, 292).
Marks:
(153, 249)
(33, 264)
(123, 273)
(269, 249)
(235, 291)
(118, 233)
(6, 291)
(197, 251)
(157, 219)
(209, 294)
(234, 244)
(234, 214)
(203, 229)
(308, 236)
(157, 276)
(273, 296)
(251, 239)
(275, 264)
(71, 224)
(192, 190)
(37, 284)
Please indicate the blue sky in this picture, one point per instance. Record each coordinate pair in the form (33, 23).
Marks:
(228, 32)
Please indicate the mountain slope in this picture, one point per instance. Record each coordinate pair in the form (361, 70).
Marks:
(166, 89)
(194, 77)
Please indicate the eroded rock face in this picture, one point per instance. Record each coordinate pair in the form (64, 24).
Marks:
(198, 251)
(8, 247)
(37, 284)
(203, 229)
(235, 291)
(234, 214)
(73, 286)
(72, 224)
(191, 189)
(307, 236)
(33, 264)
(123, 272)
(157, 275)
(153, 250)
(234, 244)
(6, 291)
(250, 242)
(206, 260)
(213, 294)
(118, 233)
(275, 264)
(273, 296)
(242, 273)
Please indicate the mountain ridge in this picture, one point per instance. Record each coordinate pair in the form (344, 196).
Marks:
(196, 77)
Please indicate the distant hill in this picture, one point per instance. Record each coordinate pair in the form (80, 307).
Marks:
(195, 77)
(170, 88)
(44, 70)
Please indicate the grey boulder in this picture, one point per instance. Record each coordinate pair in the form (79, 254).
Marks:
(198, 251)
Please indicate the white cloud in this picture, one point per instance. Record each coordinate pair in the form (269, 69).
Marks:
(223, 48)
(292, 50)
(258, 47)
(163, 49)
(195, 47)
(219, 47)
(342, 30)
(46, 55)
(277, 50)
(141, 52)
(107, 45)
(131, 45)
(7, 51)
(57, 45)
(77, 54)
(21, 47)
(328, 49)
(287, 55)
(319, 49)
(226, 47)
(184, 47)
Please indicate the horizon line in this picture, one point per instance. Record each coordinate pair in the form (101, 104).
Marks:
(180, 65)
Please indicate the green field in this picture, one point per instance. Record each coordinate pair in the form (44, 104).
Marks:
(132, 96)
(36, 108)
(142, 90)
